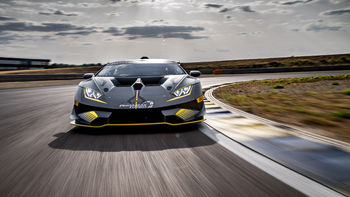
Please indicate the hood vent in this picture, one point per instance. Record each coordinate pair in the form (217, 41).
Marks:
(138, 84)
(147, 81)
(125, 81)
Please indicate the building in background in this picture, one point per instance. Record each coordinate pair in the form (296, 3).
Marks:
(7, 63)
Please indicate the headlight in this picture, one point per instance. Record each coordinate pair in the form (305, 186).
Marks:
(183, 91)
(92, 93)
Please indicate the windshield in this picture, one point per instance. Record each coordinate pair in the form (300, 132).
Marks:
(128, 70)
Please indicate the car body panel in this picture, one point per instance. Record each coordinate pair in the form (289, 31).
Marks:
(146, 99)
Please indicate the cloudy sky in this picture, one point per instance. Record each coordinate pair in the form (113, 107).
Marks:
(92, 31)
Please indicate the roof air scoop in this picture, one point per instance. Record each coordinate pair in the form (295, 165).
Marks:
(138, 84)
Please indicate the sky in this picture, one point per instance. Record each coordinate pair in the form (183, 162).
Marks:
(101, 31)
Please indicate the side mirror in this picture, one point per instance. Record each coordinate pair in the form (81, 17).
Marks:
(88, 75)
(195, 73)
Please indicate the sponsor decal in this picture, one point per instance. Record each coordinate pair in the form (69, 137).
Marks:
(144, 105)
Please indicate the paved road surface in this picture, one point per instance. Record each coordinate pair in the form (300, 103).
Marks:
(42, 155)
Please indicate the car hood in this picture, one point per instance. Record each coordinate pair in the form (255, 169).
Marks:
(138, 92)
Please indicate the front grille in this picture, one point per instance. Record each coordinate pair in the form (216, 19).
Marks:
(189, 105)
(138, 115)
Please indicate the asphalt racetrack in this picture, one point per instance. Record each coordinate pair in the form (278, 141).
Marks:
(41, 154)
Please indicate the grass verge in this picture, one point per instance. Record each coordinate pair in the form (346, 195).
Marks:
(315, 103)
(319, 60)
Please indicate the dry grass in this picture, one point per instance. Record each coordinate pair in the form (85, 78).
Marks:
(273, 62)
(311, 102)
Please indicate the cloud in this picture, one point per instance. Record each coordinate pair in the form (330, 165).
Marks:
(225, 10)
(199, 50)
(158, 21)
(242, 33)
(113, 14)
(185, 36)
(246, 9)
(278, 11)
(47, 37)
(163, 32)
(136, 32)
(210, 5)
(113, 31)
(337, 1)
(4, 18)
(254, 33)
(296, 2)
(81, 33)
(44, 13)
(337, 12)
(222, 50)
(58, 12)
(6, 38)
(44, 27)
(320, 27)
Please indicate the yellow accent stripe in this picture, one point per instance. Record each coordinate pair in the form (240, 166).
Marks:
(136, 98)
(138, 124)
(181, 96)
(76, 103)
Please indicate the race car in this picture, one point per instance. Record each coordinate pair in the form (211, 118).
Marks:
(139, 92)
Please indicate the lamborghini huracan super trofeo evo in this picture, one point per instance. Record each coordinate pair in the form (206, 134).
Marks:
(139, 92)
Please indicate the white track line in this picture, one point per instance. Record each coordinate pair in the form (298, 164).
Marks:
(291, 178)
